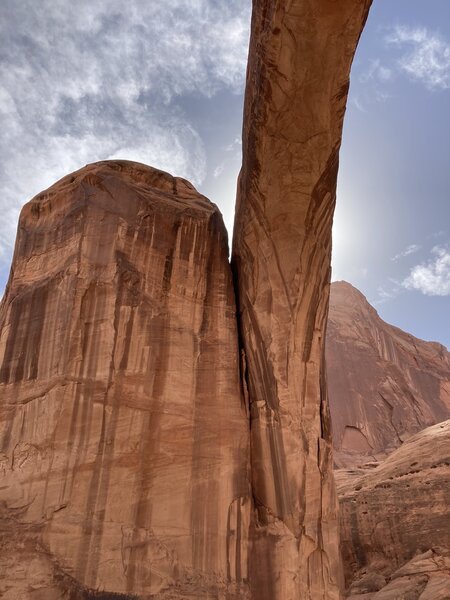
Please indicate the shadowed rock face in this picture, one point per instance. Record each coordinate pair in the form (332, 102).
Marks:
(392, 513)
(384, 384)
(123, 431)
(297, 84)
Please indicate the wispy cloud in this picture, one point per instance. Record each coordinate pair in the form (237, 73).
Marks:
(433, 277)
(373, 77)
(219, 170)
(384, 295)
(89, 80)
(376, 71)
(388, 291)
(236, 144)
(412, 249)
(436, 234)
(358, 103)
(426, 58)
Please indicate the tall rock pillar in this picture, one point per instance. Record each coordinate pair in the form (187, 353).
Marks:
(297, 84)
(123, 432)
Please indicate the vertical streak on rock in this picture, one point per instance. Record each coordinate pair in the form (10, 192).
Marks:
(297, 83)
(203, 514)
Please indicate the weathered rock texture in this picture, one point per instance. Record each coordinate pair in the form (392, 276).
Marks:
(384, 384)
(297, 84)
(424, 577)
(124, 438)
(394, 511)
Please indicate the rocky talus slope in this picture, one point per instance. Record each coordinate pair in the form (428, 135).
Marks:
(384, 384)
(395, 522)
(124, 438)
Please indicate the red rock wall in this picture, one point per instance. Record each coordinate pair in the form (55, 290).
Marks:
(124, 436)
(297, 84)
(384, 384)
(392, 513)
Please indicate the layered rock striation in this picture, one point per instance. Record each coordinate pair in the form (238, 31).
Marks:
(384, 384)
(124, 435)
(297, 83)
(395, 521)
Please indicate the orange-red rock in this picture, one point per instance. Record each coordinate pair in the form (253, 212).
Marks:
(395, 511)
(424, 577)
(384, 384)
(297, 84)
(124, 435)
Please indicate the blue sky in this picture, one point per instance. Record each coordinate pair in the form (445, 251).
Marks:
(162, 83)
(392, 223)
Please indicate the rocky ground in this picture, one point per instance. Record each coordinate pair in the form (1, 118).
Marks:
(395, 521)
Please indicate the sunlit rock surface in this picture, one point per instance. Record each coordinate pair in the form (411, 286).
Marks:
(384, 384)
(424, 577)
(396, 513)
(297, 84)
(124, 437)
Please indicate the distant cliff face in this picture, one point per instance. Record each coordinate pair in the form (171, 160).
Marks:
(384, 384)
(124, 438)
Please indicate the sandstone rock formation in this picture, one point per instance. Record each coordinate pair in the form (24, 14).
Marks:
(384, 384)
(125, 432)
(424, 577)
(297, 84)
(394, 512)
(124, 437)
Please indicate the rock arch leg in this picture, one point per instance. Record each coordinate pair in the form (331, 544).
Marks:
(297, 84)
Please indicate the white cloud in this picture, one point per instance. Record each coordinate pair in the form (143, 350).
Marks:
(376, 71)
(431, 278)
(387, 292)
(427, 59)
(374, 76)
(236, 144)
(382, 96)
(219, 170)
(384, 295)
(88, 81)
(384, 74)
(412, 249)
(358, 104)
